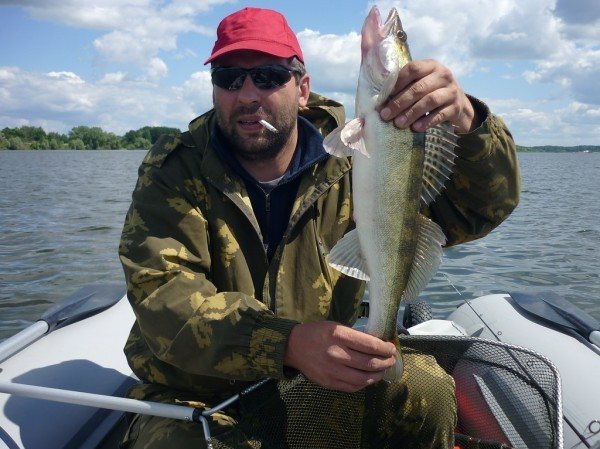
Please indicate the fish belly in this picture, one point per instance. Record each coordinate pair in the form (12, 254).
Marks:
(386, 190)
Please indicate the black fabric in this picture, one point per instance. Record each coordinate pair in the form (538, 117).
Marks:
(273, 209)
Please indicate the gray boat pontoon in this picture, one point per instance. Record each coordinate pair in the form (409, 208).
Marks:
(527, 370)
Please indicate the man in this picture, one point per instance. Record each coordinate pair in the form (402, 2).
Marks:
(225, 244)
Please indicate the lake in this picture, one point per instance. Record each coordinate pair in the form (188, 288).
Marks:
(61, 214)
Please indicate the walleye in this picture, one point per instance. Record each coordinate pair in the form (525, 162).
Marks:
(395, 173)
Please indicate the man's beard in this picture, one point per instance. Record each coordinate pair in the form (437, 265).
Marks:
(265, 146)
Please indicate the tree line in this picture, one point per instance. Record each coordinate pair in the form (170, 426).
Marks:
(94, 138)
(559, 149)
(80, 138)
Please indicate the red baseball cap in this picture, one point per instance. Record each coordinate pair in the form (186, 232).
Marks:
(256, 29)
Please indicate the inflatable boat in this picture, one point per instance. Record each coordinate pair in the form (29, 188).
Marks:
(526, 367)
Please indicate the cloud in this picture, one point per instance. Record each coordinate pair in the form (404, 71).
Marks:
(59, 101)
(445, 32)
(549, 43)
(156, 69)
(332, 60)
(579, 12)
(458, 32)
(541, 123)
(196, 91)
(561, 38)
(136, 30)
(113, 78)
(68, 77)
(577, 71)
(111, 14)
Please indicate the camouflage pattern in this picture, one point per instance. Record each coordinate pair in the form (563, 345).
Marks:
(212, 314)
(417, 412)
(484, 188)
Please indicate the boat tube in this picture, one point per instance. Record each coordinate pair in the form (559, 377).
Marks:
(78, 347)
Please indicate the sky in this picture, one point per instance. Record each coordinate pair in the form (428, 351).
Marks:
(125, 64)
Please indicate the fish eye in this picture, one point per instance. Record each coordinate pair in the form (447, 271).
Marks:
(401, 34)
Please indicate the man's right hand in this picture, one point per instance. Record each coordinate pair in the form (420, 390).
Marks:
(338, 357)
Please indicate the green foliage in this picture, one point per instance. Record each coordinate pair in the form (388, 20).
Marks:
(559, 149)
(80, 138)
(77, 144)
(3, 142)
(94, 138)
(16, 143)
(146, 136)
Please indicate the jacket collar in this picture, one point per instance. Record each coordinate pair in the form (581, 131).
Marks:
(309, 151)
(322, 113)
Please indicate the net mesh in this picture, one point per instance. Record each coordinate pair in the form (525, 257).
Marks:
(505, 394)
(507, 397)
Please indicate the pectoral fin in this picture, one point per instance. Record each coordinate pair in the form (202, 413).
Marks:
(346, 140)
(347, 257)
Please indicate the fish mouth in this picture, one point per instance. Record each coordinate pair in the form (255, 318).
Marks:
(393, 25)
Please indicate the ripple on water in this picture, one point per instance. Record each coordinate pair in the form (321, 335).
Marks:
(62, 214)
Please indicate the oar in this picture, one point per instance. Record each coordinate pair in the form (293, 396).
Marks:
(127, 405)
(558, 312)
(83, 303)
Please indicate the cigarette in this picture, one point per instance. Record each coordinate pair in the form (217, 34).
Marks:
(268, 126)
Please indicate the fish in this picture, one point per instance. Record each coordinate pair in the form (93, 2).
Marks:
(395, 174)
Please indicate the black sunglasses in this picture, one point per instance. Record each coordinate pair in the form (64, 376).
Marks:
(263, 77)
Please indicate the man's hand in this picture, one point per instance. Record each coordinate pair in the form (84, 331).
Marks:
(427, 94)
(338, 357)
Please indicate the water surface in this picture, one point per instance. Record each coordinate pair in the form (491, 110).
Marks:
(61, 214)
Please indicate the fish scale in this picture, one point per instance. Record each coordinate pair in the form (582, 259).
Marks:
(394, 173)
(391, 228)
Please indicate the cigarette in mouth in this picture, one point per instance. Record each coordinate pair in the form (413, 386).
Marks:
(268, 126)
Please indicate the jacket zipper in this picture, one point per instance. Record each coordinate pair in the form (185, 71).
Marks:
(324, 187)
(267, 233)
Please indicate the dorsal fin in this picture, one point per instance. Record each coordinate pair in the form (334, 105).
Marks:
(440, 142)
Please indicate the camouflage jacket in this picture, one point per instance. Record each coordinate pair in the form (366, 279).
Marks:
(212, 313)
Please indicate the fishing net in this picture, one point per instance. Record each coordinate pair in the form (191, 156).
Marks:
(507, 397)
(505, 394)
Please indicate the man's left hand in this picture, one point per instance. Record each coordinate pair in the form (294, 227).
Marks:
(427, 94)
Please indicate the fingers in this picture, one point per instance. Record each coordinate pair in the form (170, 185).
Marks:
(350, 371)
(363, 343)
(431, 111)
(418, 70)
(338, 357)
(426, 95)
(359, 360)
(350, 380)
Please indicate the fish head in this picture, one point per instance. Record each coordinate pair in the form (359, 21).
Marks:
(384, 49)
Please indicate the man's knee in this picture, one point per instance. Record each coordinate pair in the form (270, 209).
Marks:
(431, 400)
(419, 411)
(428, 382)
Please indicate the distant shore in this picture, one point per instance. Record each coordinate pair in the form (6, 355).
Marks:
(94, 138)
(81, 138)
(520, 149)
(560, 149)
